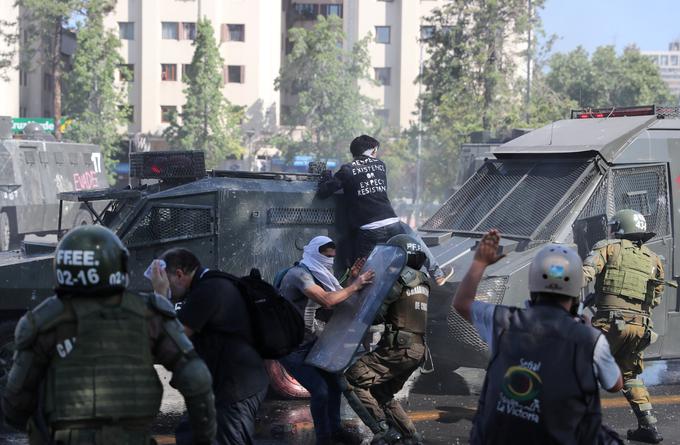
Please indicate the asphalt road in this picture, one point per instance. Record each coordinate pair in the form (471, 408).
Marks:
(443, 419)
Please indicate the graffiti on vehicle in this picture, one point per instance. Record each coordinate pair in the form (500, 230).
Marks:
(85, 181)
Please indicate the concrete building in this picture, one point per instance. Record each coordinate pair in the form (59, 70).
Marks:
(669, 65)
(157, 37)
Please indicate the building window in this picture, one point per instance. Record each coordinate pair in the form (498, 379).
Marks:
(170, 30)
(186, 71)
(674, 60)
(126, 30)
(236, 74)
(168, 112)
(188, 31)
(328, 10)
(126, 72)
(306, 11)
(382, 75)
(663, 60)
(168, 71)
(382, 34)
(383, 114)
(426, 32)
(47, 82)
(128, 112)
(234, 33)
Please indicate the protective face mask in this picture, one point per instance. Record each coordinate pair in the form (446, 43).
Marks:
(327, 262)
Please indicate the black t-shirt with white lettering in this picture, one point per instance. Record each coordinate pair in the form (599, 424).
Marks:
(364, 183)
(216, 312)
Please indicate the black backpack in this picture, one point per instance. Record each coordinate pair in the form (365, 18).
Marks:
(278, 328)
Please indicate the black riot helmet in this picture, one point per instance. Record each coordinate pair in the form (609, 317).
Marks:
(415, 257)
(90, 261)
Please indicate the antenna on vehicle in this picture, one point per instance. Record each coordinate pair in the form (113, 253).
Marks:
(552, 125)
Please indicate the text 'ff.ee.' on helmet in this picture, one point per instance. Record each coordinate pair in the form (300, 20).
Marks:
(556, 269)
(90, 261)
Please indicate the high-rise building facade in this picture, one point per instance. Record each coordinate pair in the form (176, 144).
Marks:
(157, 37)
(9, 77)
(669, 66)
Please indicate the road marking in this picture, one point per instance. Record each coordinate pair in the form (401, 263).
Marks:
(424, 416)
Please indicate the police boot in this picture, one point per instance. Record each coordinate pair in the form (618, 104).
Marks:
(387, 436)
(646, 431)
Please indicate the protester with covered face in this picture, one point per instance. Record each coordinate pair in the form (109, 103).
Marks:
(311, 286)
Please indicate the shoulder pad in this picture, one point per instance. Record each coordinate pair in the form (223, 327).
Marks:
(47, 313)
(605, 242)
(161, 305)
(411, 278)
(25, 332)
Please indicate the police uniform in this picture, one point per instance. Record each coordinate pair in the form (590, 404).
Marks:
(628, 284)
(83, 369)
(380, 374)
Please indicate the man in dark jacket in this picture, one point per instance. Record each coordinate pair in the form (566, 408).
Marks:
(216, 319)
(370, 213)
(541, 384)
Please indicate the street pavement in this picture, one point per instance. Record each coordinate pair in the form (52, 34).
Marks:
(443, 419)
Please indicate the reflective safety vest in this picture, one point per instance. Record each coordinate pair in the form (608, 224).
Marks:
(106, 373)
(409, 310)
(628, 273)
(540, 387)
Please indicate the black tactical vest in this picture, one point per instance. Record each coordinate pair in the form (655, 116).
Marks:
(106, 372)
(540, 385)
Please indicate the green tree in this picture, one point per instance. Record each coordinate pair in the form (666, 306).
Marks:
(92, 100)
(470, 78)
(324, 79)
(43, 23)
(208, 121)
(607, 79)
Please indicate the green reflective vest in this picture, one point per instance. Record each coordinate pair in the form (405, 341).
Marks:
(106, 373)
(628, 273)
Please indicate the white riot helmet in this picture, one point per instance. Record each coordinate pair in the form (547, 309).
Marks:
(556, 269)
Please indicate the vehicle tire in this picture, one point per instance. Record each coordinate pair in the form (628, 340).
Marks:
(6, 351)
(82, 217)
(5, 232)
(282, 383)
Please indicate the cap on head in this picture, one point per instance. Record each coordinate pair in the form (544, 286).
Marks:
(556, 269)
(90, 261)
(362, 143)
(630, 224)
(415, 257)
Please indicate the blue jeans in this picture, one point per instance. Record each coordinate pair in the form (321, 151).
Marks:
(324, 388)
(367, 239)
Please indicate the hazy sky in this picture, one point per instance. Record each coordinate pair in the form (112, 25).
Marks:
(650, 24)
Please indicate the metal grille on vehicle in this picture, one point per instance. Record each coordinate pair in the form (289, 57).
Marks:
(278, 216)
(503, 195)
(644, 189)
(171, 223)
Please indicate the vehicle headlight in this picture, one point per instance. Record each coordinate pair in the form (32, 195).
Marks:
(492, 289)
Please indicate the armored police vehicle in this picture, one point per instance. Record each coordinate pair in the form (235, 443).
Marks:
(33, 169)
(559, 183)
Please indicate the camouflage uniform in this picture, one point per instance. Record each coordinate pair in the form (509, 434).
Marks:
(628, 284)
(380, 374)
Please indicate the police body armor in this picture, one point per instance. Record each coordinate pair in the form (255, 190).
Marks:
(406, 309)
(111, 357)
(624, 283)
(539, 384)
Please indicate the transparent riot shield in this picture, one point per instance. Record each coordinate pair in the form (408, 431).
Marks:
(351, 319)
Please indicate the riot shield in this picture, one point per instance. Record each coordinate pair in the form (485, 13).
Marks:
(351, 319)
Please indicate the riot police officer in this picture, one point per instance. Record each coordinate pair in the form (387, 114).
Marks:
(378, 375)
(628, 284)
(541, 385)
(84, 363)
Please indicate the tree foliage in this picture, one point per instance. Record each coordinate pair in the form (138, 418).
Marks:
(92, 100)
(470, 78)
(208, 121)
(607, 79)
(324, 79)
